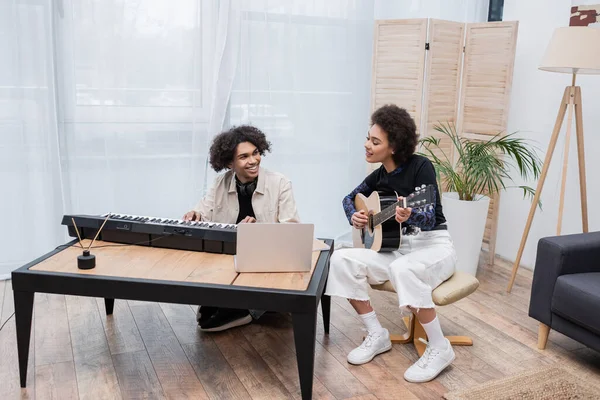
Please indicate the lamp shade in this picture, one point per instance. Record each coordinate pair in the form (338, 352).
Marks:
(573, 50)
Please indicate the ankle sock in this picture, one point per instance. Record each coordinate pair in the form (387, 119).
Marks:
(371, 322)
(435, 336)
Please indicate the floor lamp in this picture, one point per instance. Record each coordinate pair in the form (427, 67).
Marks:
(572, 50)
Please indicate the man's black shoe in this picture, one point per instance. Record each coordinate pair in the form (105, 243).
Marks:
(204, 313)
(226, 318)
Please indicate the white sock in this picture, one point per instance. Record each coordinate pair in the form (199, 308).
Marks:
(435, 336)
(371, 322)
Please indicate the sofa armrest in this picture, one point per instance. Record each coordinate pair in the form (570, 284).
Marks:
(556, 256)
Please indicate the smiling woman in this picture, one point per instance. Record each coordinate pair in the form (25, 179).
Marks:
(418, 266)
(391, 138)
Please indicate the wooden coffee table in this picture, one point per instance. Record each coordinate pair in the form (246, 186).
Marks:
(177, 276)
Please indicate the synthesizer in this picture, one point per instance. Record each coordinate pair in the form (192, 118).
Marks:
(156, 232)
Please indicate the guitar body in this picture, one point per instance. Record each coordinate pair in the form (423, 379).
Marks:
(384, 237)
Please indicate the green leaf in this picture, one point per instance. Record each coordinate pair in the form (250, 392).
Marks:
(480, 166)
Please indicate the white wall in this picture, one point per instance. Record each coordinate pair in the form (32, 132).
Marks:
(534, 103)
(453, 10)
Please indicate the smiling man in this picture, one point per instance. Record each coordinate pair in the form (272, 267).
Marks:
(245, 193)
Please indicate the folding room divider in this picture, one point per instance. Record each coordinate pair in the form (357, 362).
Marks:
(446, 71)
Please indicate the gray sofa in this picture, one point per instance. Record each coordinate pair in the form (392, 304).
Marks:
(565, 295)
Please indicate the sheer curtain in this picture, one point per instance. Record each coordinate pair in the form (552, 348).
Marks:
(453, 10)
(105, 106)
(303, 77)
(32, 199)
(110, 105)
(135, 88)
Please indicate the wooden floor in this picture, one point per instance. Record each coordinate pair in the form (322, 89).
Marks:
(150, 350)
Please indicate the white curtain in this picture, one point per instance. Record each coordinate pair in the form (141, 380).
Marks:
(104, 106)
(31, 195)
(453, 10)
(303, 77)
(136, 88)
(110, 105)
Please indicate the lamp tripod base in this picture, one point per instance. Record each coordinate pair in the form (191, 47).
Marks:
(571, 101)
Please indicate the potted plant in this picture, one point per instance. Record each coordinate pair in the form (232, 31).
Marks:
(479, 169)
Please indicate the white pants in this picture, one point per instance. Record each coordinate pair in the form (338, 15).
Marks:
(422, 263)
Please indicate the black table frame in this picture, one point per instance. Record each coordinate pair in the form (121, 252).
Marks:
(301, 304)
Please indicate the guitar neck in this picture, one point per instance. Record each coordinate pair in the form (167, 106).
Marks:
(387, 212)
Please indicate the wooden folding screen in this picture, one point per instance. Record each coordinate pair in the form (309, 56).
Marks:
(442, 78)
(451, 72)
(485, 94)
(398, 65)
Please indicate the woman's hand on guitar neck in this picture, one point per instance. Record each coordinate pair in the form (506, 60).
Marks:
(402, 214)
(359, 219)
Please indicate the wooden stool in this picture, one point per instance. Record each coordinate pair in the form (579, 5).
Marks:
(458, 286)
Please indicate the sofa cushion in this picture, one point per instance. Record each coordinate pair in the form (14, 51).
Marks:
(577, 298)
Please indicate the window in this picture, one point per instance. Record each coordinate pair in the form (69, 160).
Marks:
(495, 10)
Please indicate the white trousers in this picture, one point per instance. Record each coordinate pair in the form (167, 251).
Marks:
(421, 264)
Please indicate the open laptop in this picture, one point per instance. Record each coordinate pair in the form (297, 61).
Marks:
(274, 247)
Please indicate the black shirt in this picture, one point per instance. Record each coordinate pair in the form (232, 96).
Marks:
(245, 203)
(417, 171)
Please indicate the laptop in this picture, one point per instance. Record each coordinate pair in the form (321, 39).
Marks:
(274, 247)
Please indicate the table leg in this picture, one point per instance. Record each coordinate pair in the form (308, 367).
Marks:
(109, 304)
(326, 309)
(23, 315)
(305, 331)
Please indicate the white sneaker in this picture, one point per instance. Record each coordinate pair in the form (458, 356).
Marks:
(432, 362)
(375, 343)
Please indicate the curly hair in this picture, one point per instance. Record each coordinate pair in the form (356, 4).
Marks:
(222, 149)
(400, 128)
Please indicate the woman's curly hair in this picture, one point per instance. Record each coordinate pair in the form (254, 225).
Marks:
(223, 146)
(400, 128)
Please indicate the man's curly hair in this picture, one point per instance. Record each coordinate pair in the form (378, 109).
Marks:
(223, 146)
(400, 128)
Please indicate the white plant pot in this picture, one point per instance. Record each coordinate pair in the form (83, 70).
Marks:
(466, 224)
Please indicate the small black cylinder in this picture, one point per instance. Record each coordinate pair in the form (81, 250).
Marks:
(86, 261)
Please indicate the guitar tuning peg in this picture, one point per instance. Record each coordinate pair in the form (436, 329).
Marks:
(423, 186)
(417, 188)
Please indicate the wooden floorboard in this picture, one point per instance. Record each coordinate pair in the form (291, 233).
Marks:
(150, 350)
(56, 381)
(249, 366)
(9, 366)
(281, 360)
(332, 373)
(122, 334)
(96, 376)
(216, 375)
(137, 377)
(170, 362)
(51, 326)
(3, 285)
(8, 305)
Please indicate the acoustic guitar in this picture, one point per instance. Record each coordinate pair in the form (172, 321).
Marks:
(382, 233)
